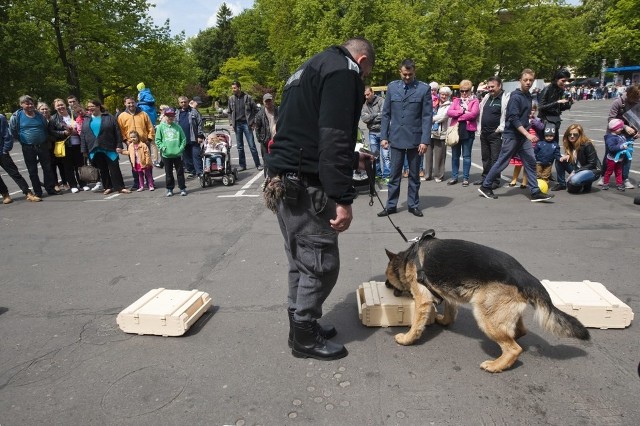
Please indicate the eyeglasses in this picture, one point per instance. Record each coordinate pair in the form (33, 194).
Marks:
(574, 135)
(465, 91)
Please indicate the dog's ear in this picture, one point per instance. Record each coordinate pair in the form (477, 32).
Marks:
(430, 233)
(390, 255)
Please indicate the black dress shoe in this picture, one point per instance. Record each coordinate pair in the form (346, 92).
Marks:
(387, 212)
(559, 187)
(416, 212)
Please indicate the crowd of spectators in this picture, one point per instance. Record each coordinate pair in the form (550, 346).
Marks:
(572, 155)
(91, 135)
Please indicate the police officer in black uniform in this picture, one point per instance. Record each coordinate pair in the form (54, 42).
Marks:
(313, 154)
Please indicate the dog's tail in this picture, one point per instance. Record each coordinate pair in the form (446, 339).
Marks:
(553, 319)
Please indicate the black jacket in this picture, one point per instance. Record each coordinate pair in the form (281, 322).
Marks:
(587, 159)
(318, 123)
(548, 106)
(109, 137)
(263, 130)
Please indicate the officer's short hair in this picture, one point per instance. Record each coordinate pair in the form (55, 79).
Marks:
(408, 64)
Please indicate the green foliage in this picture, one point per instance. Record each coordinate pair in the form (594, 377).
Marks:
(620, 37)
(52, 48)
(213, 46)
(243, 69)
(98, 49)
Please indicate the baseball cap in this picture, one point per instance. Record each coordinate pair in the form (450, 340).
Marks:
(197, 99)
(170, 112)
(267, 96)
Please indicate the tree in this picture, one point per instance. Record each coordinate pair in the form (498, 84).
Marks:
(620, 37)
(243, 69)
(97, 49)
(213, 46)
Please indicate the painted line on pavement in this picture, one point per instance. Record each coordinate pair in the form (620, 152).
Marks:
(244, 187)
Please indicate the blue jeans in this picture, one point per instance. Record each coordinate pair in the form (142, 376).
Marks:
(462, 148)
(510, 147)
(242, 130)
(383, 162)
(579, 181)
(192, 162)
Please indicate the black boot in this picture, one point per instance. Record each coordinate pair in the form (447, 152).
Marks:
(308, 343)
(327, 332)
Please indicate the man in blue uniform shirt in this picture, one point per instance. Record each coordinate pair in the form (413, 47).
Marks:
(406, 130)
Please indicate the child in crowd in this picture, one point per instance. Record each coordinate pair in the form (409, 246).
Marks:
(216, 149)
(147, 102)
(536, 127)
(140, 157)
(615, 142)
(545, 153)
(163, 108)
(171, 143)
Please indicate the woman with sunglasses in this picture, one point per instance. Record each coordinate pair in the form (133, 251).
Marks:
(464, 111)
(580, 160)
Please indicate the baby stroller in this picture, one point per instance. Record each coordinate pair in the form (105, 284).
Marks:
(220, 162)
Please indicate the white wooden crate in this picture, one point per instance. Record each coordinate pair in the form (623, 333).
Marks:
(164, 312)
(590, 302)
(378, 307)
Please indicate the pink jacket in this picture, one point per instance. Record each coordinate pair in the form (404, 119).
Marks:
(470, 115)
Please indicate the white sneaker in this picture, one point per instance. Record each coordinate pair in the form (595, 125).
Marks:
(85, 188)
(600, 182)
(74, 190)
(628, 184)
(97, 188)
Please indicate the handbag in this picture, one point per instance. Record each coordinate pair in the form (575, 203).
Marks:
(452, 137)
(88, 173)
(59, 149)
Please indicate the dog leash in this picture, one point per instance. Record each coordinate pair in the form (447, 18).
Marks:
(371, 175)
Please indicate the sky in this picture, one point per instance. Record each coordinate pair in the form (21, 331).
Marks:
(192, 16)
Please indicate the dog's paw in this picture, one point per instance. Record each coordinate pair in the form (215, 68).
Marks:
(492, 366)
(440, 319)
(403, 339)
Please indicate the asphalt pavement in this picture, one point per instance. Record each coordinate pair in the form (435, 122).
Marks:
(72, 262)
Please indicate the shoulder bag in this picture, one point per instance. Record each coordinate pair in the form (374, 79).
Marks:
(59, 150)
(452, 137)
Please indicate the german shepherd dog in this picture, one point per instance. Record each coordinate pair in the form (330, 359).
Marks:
(497, 286)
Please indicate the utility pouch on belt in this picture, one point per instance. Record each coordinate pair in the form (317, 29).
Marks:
(293, 189)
